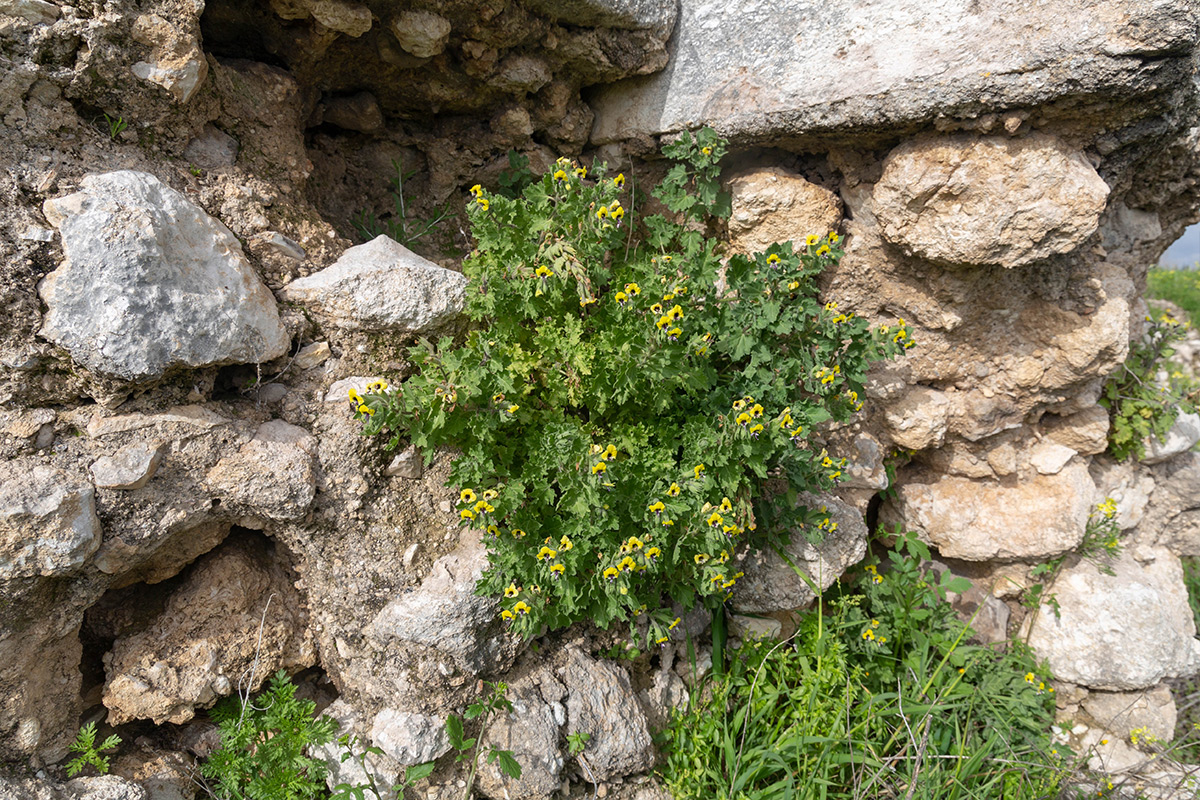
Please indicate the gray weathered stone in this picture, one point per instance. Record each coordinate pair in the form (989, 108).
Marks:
(381, 767)
(1123, 712)
(409, 738)
(656, 15)
(602, 704)
(1182, 436)
(274, 474)
(35, 11)
(312, 355)
(407, 464)
(382, 286)
(768, 71)
(131, 467)
(152, 282)
(177, 62)
(530, 732)
(48, 522)
(1172, 513)
(444, 613)
(770, 584)
(1119, 632)
(992, 200)
(212, 149)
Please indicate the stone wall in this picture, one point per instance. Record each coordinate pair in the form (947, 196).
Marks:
(186, 504)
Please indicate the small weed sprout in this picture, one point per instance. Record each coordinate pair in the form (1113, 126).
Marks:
(115, 126)
(576, 742)
(398, 225)
(1101, 544)
(89, 753)
(484, 709)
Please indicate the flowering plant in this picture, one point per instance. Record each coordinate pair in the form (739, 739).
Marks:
(629, 391)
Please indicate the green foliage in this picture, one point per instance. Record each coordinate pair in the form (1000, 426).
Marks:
(88, 752)
(876, 695)
(576, 742)
(1145, 395)
(627, 393)
(1178, 286)
(483, 709)
(517, 176)
(115, 126)
(262, 751)
(399, 225)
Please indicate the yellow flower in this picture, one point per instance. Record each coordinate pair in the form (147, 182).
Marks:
(375, 387)
(633, 289)
(483, 506)
(506, 614)
(756, 410)
(511, 590)
(812, 239)
(565, 544)
(700, 558)
(543, 271)
(581, 172)
(661, 640)
(656, 308)
(675, 313)
(868, 635)
(477, 191)
(490, 494)
(599, 467)
(772, 259)
(611, 573)
(662, 322)
(833, 237)
(652, 553)
(674, 333)
(466, 496)
(615, 211)
(674, 624)
(365, 409)
(698, 470)
(674, 490)
(483, 203)
(626, 564)
(823, 250)
(602, 212)
(493, 530)
(706, 150)
(715, 519)
(546, 553)
(667, 523)
(466, 513)
(560, 176)
(518, 533)
(355, 398)
(668, 297)
(635, 543)
(656, 507)
(738, 405)
(556, 570)
(726, 506)
(513, 408)
(609, 453)
(522, 607)
(619, 181)
(793, 286)
(743, 419)
(755, 430)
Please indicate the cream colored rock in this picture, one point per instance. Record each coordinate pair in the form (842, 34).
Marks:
(968, 200)
(1124, 712)
(237, 610)
(919, 420)
(274, 474)
(772, 204)
(1085, 432)
(177, 62)
(422, 33)
(48, 522)
(129, 468)
(1119, 632)
(1129, 484)
(1039, 516)
(1172, 515)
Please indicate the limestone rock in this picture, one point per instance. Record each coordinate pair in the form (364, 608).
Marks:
(357, 112)
(48, 522)
(1182, 436)
(312, 355)
(770, 72)
(772, 204)
(657, 15)
(602, 704)
(1085, 432)
(385, 771)
(274, 474)
(1120, 632)
(407, 464)
(1129, 484)
(35, 11)
(212, 149)
(409, 738)
(770, 584)
(129, 468)
(1038, 516)
(422, 33)
(236, 609)
(919, 419)
(104, 787)
(1123, 712)
(152, 282)
(1172, 516)
(445, 614)
(382, 286)
(177, 62)
(978, 201)
(530, 731)
(1049, 458)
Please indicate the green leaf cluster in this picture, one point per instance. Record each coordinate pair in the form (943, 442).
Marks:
(878, 694)
(88, 752)
(262, 755)
(1146, 394)
(633, 402)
